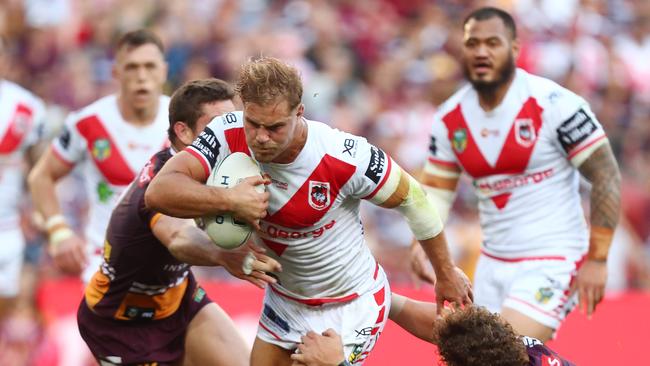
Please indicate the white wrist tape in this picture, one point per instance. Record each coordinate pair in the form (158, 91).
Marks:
(59, 235)
(53, 221)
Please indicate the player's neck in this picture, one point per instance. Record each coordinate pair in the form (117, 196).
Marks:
(136, 116)
(296, 146)
(492, 98)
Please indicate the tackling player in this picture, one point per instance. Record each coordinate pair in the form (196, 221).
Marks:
(143, 306)
(466, 337)
(525, 140)
(111, 139)
(317, 178)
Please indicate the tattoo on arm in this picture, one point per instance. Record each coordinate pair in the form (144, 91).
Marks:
(602, 171)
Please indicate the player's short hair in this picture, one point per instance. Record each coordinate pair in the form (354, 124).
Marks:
(474, 336)
(489, 12)
(186, 102)
(264, 80)
(139, 38)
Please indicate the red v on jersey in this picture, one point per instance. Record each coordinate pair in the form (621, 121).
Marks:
(18, 127)
(515, 153)
(236, 139)
(302, 210)
(105, 152)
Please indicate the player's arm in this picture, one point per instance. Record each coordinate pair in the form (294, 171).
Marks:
(65, 246)
(416, 317)
(400, 191)
(439, 180)
(601, 170)
(191, 245)
(179, 190)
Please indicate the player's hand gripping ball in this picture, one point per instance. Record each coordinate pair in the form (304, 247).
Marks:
(224, 230)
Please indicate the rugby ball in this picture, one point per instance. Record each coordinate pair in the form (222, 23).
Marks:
(224, 230)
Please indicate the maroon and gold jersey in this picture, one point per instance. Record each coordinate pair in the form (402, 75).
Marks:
(139, 279)
(540, 355)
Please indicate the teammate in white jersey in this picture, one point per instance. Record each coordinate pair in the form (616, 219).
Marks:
(21, 126)
(316, 179)
(112, 139)
(524, 140)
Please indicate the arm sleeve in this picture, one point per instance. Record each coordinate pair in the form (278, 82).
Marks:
(440, 149)
(373, 166)
(69, 146)
(577, 129)
(209, 147)
(36, 133)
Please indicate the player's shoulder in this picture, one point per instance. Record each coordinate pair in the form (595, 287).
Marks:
(21, 94)
(551, 95)
(453, 101)
(101, 107)
(153, 166)
(227, 121)
(339, 144)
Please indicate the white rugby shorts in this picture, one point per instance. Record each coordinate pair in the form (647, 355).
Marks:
(537, 287)
(12, 247)
(359, 321)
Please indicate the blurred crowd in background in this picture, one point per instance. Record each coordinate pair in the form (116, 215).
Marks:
(377, 68)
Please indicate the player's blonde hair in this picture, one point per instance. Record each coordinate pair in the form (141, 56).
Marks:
(265, 80)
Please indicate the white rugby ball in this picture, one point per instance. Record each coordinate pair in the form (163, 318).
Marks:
(224, 230)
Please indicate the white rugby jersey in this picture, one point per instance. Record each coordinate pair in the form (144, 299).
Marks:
(111, 151)
(314, 227)
(22, 119)
(520, 157)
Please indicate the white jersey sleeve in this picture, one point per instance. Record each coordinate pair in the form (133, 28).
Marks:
(37, 132)
(373, 167)
(214, 143)
(440, 146)
(70, 145)
(578, 131)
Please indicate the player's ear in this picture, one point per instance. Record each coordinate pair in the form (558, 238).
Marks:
(515, 48)
(183, 132)
(300, 111)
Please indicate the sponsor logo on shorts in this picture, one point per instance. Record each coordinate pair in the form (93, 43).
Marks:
(272, 316)
(363, 332)
(575, 130)
(544, 295)
(199, 294)
(133, 312)
(319, 195)
(357, 353)
(525, 134)
(459, 140)
(377, 164)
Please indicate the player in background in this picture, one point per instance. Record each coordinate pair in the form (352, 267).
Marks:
(317, 178)
(525, 140)
(465, 337)
(22, 118)
(143, 306)
(111, 139)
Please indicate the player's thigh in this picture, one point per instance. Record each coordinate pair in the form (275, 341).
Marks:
(539, 298)
(523, 324)
(488, 283)
(267, 354)
(213, 339)
(12, 246)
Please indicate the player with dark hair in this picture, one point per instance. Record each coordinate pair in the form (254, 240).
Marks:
(472, 336)
(143, 306)
(111, 139)
(318, 177)
(524, 140)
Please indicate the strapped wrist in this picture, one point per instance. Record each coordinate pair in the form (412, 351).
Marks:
(600, 239)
